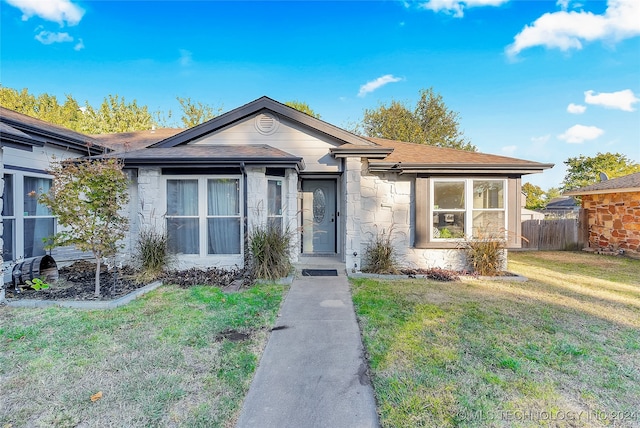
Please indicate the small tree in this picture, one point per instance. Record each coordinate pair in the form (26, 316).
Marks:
(86, 197)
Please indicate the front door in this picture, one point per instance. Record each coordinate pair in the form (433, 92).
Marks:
(319, 220)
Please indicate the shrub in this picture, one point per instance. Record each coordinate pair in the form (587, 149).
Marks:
(379, 255)
(486, 254)
(270, 257)
(152, 252)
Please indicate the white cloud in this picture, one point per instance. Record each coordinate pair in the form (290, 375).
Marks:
(621, 100)
(568, 30)
(576, 108)
(59, 11)
(579, 133)
(79, 46)
(378, 83)
(186, 57)
(509, 150)
(540, 140)
(47, 37)
(456, 7)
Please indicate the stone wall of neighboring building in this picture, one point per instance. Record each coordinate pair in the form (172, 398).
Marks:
(614, 221)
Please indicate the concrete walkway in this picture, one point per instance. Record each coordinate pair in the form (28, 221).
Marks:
(312, 372)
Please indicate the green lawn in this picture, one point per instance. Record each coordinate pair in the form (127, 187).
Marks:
(166, 359)
(562, 349)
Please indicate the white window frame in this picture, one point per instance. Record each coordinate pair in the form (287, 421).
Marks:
(468, 209)
(203, 214)
(282, 201)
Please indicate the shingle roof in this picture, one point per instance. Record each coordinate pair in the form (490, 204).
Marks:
(410, 157)
(44, 132)
(128, 141)
(209, 155)
(627, 183)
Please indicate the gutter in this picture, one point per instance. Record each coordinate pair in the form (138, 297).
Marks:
(415, 168)
(602, 191)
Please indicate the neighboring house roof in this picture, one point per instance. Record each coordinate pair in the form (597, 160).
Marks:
(219, 155)
(627, 183)
(136, 140)
(563, 203)
(254, 107)
(421, 158)
(25, 132)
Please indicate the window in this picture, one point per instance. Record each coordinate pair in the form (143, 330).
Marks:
(39, 223)
(8, 219)
(27, 224)
(461, 208)
(203, 215)
(274, 212)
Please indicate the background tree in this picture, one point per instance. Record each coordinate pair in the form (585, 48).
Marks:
(584, 170)
(303, 107)
(535, 196)
(430, 122)
(86, 197)
(115, 115)
(195, 113)
(551, 193)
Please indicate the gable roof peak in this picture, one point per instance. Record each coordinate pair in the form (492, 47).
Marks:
(255, 107)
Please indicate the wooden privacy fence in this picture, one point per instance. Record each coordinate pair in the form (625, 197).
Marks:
(558, 234)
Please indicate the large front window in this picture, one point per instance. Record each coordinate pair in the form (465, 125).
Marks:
(463, 208)
(203, 215)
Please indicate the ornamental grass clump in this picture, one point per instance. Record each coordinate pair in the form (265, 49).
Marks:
(152, 252)
(270, 256)
(486, 254)
(379, 255)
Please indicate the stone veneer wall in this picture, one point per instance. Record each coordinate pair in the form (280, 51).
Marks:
(614, 221)
(388, 206)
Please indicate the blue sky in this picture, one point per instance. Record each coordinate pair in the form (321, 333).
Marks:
(538, 80)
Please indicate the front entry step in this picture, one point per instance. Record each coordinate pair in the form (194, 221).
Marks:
(319, 272)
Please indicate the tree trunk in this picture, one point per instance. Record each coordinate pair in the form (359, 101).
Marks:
(97, 291)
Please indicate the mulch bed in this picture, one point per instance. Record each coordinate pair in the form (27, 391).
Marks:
(77, 282)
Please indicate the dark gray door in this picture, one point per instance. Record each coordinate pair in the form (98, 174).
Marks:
(319, 216)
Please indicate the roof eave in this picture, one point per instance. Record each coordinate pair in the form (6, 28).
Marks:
(602, 191)
(297, 163)
(365, 152)
(415, 168)
(19, 142)
(58, 139)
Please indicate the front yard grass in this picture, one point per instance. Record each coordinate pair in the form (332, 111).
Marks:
(174, 357)
(562, 349)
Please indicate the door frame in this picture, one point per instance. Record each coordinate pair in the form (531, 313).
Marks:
(335, 179)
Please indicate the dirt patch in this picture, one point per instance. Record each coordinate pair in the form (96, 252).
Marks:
(77, 282)
(232, 335)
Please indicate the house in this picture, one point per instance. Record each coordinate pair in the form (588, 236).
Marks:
(265, 163)
(564, 206)
(612, 208)
(27, 147)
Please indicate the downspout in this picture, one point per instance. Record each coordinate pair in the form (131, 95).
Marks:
(245, 217)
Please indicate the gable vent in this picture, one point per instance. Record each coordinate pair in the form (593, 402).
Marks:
(266, 124)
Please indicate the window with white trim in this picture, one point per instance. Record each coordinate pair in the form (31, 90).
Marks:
(204, 215)
(467, 208)
(274, 203)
